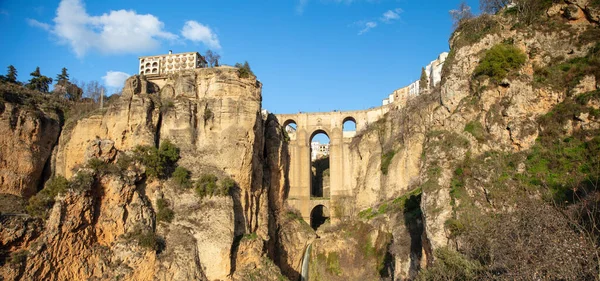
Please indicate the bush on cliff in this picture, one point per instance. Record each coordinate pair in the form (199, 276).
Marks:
(160, 162)
(42, 202)
(499, 61)
(181, 176)
(244, 70)
(207, 186)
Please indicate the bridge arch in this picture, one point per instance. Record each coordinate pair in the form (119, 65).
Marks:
(320, 180)
(349, 124)
(291, 127)
(318, 216)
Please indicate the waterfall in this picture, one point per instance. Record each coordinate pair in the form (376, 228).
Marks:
(305, 260)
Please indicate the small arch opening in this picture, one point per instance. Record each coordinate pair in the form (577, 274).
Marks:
(319, 216)
(290, 127)
(349, 124)
(319, 158)
(154, 71)
(155, 64)
(349, 127)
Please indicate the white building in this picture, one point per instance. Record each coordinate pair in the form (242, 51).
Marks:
(434, 69)
(434, 75)
(318, 150)
(170, 63)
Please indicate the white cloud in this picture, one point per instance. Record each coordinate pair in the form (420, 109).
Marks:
(115, 79)
(197, 32)
(391, 15)
(367, 26)
(388, 17)
(42, 25)
(119, 31)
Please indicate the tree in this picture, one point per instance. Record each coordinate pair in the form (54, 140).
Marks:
(63, 77)
(244, 70)
(424, 81)
(461, 14)
(39, 82)
(93, 90)
(212, 58)
(11, 75)
(493, 6)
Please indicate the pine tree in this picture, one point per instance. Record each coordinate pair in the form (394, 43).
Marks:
(38, 81)
(63, 77)
(11, 75)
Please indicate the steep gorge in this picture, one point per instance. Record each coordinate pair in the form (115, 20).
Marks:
(446, 181)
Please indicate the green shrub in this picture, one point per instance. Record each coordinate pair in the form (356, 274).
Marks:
(227, 184)
(82, 181)
(206, 185)
(244, 70)
(42, 202)
(19, 257)
(160, 162)
(164, 213)
(476, 129)
(101, 168)
(386, 160)
(499, 61)
(145, 238)
(181, 176)
(124, 162)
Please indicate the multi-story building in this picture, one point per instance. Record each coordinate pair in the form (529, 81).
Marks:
(170, 63)
(318, 150)
(434, 76)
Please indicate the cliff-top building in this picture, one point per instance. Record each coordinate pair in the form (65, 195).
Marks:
(170, 63)
(434, 76)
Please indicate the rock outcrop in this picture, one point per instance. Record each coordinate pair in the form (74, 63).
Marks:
(29, 134)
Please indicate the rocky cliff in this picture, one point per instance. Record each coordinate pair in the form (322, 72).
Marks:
(491, 175)
(462, 152)
(109, 223)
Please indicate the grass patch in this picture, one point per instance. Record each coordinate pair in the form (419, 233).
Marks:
(476, 130)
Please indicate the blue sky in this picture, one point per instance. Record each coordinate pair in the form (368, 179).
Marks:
(311, 55)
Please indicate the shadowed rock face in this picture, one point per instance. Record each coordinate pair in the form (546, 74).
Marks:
(27, 137)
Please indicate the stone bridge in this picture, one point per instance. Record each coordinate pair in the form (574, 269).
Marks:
(340, 180)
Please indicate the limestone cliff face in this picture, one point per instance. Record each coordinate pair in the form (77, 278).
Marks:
(428, 137)
(27, 136)
(214, 117)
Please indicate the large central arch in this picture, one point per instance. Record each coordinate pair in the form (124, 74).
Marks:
(299, 129)
(319, 162)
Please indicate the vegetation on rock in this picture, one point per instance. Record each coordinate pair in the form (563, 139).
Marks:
(159, 162)
(500, 61)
